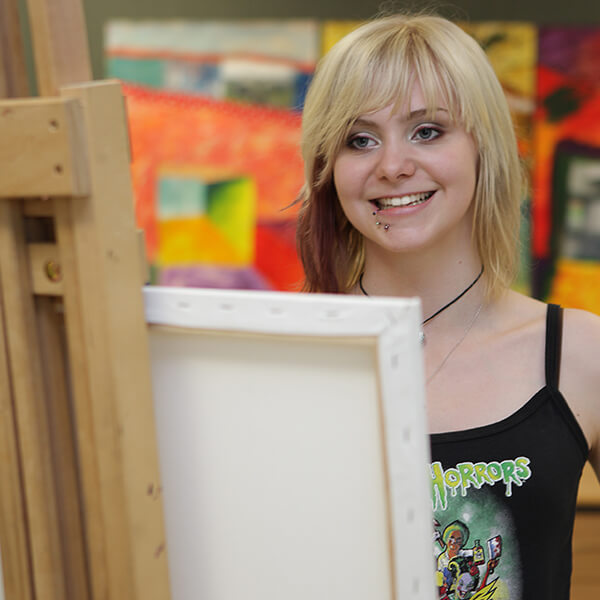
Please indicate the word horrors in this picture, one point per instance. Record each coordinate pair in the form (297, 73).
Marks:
(467, 474)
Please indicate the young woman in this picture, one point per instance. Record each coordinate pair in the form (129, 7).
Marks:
(413, 186)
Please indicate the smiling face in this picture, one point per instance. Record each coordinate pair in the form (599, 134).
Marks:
(406, 179)
(455, 543)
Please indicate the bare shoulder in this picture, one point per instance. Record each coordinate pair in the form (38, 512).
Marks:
(581, 344)
(517, 311)
(582, 323)
(580, 374)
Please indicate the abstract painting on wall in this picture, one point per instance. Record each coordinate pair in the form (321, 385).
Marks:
(566, 243)
(214, 111)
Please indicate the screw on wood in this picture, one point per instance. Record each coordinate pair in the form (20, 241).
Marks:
(53, 271)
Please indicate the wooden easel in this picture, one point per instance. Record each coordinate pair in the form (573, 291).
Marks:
(80, 498)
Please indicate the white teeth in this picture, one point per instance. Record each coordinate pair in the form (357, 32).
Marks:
(409, 200)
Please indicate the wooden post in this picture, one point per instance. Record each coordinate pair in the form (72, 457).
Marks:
(60, 45)
(111, 334)
(28, 397)
(13, 74)
(80, 502)
(31, 549)
(14, 531)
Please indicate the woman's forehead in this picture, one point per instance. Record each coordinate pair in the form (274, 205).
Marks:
(417, 96)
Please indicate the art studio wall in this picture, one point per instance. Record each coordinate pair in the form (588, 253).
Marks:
(541, 12)
(214, 97)
(215, 122)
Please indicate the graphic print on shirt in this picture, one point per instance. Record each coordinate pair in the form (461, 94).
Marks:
(475, 546)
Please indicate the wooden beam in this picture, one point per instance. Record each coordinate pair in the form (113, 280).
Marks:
(60, 46)
(16, 560)
(62, 447)
(90, 496)
(30, 407)
(87, 446)
(17, 565)
(107, 333)
(13, 72)
(42, 148)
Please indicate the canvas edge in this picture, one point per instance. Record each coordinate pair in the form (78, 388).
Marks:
(407, 457)
(385, 322)
(275, 312)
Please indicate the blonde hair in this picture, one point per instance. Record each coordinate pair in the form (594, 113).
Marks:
(375, 66)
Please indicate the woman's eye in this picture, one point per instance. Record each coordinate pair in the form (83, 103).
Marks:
(360, 142)
(427, 133)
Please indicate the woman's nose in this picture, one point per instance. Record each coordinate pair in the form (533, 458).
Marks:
(394, 162)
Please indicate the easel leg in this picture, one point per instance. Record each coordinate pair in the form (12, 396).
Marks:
(62, 444)
(13, 531)
(80, 426)
(13, 74)
(28, 397)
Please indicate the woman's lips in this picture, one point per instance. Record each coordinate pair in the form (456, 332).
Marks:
(407, 200)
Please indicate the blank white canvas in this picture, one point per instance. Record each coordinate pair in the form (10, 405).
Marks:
(286, 472)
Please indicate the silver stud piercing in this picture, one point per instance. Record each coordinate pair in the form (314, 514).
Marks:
(378, 222)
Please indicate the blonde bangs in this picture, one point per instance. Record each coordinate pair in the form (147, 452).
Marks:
(369, 75)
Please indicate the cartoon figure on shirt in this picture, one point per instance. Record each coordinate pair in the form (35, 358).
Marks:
(459, 577)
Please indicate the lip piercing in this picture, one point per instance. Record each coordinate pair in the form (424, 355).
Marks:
(377, 222)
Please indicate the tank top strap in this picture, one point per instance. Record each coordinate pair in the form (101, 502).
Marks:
(554, 318)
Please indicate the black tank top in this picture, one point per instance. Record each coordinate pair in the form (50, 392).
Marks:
(504, 497)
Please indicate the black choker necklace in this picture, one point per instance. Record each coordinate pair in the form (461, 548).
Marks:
(437, 312)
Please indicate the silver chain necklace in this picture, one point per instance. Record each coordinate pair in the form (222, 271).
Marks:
(456, 345)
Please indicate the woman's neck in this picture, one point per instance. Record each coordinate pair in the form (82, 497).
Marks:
(435, 278)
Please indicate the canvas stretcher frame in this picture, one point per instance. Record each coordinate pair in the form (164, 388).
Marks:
(291, 433)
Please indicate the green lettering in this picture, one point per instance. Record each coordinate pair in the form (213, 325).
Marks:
(438, 488)
(467, 476)
(523, 470)
(481, 474)
(494, 471)
(452, 480)
(509, 476)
